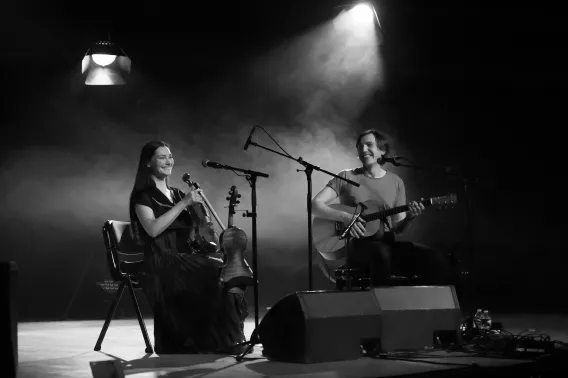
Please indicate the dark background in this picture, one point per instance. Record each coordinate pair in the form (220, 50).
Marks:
(465, 89)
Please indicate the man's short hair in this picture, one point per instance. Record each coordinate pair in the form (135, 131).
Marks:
(380, 140)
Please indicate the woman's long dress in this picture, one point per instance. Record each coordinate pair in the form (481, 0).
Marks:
(192, 312)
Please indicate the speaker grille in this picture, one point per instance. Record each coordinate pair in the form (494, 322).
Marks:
(416, 298)
(319, 304)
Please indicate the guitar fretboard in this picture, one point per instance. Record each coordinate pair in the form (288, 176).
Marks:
(393, 211)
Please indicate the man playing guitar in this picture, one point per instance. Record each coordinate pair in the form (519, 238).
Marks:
(374, 248)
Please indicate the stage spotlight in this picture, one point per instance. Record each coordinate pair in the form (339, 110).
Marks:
(361, 17)
(363, 13)
(105, 64)
(103, 59)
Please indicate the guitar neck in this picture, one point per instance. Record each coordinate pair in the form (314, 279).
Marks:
(388, 212)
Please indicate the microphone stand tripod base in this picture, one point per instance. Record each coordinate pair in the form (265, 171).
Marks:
(252, 342)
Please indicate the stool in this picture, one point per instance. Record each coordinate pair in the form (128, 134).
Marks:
(360, 279)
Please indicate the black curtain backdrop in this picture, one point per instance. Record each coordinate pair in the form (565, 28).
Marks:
(468, 89)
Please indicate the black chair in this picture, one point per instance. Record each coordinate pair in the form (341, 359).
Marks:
(126, 264)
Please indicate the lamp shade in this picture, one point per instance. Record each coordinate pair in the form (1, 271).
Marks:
(105, 64)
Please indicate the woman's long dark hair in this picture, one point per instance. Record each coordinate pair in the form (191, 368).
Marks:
(142, 182)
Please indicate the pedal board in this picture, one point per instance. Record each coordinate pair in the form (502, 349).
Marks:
(532, 347)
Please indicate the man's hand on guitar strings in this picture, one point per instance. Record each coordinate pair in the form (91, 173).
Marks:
(358, 229)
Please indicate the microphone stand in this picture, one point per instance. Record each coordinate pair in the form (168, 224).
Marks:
(309, 168)
(467, 182)
(251, 177)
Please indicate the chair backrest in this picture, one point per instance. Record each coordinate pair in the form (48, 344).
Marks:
(120, 247)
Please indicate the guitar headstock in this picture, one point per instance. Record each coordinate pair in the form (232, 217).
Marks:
(233, 199)
(446, 201)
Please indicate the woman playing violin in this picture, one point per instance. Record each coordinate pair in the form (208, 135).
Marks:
(192, 312)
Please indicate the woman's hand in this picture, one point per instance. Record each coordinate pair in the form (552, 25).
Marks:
(192, 197)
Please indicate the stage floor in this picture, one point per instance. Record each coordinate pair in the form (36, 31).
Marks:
(65, 349)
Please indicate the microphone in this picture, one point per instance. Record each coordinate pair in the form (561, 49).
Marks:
(391, 159)
(210, 164)
(249, 138)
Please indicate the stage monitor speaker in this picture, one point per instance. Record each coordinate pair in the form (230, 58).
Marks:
(9, 322)
(323, 326)
(319, 326)
(418, 317)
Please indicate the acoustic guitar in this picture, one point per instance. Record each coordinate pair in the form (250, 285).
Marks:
(327, 233)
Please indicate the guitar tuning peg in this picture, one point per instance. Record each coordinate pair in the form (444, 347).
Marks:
(238, 196)
(238, 202)
(228, 198)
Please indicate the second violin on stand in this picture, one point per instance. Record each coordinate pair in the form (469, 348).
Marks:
(236, 271)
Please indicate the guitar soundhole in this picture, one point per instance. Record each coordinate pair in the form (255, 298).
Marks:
(338, 228)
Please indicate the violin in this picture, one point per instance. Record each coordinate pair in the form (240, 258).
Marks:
(236, 271)
(204, 238)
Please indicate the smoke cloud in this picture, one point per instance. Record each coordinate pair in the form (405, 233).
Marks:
(78, 168)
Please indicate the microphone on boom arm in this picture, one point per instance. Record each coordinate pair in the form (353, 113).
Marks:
(249, 138)
(210, 164)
